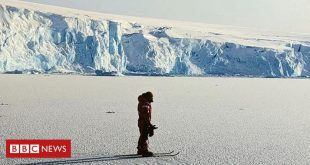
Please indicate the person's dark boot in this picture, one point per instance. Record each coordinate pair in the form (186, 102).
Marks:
(140, 152)
(147, 154)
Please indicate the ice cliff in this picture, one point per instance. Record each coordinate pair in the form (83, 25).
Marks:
(38, 39)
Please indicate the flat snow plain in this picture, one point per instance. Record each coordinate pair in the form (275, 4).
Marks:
(209, 120)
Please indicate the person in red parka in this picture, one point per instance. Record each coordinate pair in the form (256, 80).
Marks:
(144, 123)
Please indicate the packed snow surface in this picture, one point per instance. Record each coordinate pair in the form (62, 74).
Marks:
(38, 38)
(209, 120)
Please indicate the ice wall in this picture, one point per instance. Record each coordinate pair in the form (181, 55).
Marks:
(48, 43)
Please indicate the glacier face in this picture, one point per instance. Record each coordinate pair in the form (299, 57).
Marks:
(46, 42)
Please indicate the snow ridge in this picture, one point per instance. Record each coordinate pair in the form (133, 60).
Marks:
(45, 42)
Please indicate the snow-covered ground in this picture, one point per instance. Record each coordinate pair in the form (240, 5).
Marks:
(48, 39)
(210, 120)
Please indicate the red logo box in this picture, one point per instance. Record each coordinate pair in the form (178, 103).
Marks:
(38, 148)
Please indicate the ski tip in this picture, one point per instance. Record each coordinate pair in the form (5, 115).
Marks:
(175, 154)
(166, 154)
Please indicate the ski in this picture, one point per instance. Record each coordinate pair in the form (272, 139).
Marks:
(159, 154)
(165, 154)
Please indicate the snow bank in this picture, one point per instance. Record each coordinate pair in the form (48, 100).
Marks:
(38, 39)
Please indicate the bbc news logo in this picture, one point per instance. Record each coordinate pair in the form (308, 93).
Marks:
(38, 148)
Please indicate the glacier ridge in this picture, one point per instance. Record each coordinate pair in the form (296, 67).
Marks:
(45, 42)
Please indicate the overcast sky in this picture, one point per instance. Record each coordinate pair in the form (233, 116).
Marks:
(283, 15)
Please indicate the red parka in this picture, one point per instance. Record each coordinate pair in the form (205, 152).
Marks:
(145, 111)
